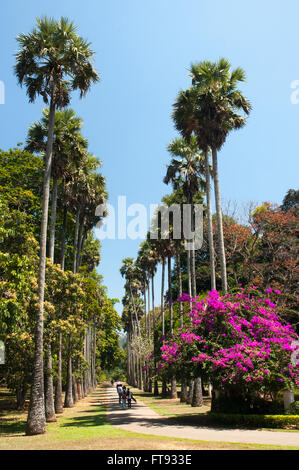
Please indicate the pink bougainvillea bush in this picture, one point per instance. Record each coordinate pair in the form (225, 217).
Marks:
(238, 341)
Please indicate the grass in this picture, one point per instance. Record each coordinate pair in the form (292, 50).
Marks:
(85, 426)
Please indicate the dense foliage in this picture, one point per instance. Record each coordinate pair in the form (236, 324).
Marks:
(238, 341)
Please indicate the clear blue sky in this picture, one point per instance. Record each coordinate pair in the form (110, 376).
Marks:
(143, 51)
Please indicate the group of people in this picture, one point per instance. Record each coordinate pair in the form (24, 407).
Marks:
(125, 395)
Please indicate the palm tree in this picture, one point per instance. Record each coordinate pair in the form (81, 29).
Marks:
(185, 171)
(128, 270)
(210, 221)
(87, 188)
(134, 363)
(171, 252)
(147, 257)
(52, 61)
(152, 260)
(133, 276)
(142, 264)
(69, 149)
(210, 108)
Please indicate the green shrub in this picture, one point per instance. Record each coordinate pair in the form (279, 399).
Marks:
(246, 404)
(294, 409)
(254, 421)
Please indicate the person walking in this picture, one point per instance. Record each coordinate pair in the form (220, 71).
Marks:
(130, 397)
(119, 390)
(124, 397)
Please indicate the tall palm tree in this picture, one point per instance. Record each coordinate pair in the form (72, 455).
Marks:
(69, 149)
(128, 270)
(88, 191)
(85, 190)
(148, 258)
(133, 275)
(210, 221)
(153, 259)
(171, 252)
(52, 61)
(185, 171)
(210, 108)
(142, 264)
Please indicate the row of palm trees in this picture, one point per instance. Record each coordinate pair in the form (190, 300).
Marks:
(204, 114)
(52, 61)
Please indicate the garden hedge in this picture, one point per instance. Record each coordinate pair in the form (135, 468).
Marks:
(247, 421)
(254, 421)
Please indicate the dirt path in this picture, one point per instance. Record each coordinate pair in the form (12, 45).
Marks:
(142, 419)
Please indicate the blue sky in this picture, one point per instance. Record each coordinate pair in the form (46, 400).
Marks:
(143, 52)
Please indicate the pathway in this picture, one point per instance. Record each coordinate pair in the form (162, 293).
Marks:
(143, 419)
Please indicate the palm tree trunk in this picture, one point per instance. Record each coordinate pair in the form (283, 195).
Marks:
(58, 389)
(68, 402)
(140, 374)
(174, 393)
(144, 379)
(189, 277)
(128, 361)
(135, 383)
(62, 253)
(53, 219)
(190, 392)
(134, 307)
(193, 275)
(75, 389)
(36, 421)
(79, 391)
(173, 380)
(210, 222)
(153, 304)
(49, 392)
(164, 388)
(145, 306)
(49, 396)
(80, 245)
(164, 385)
(149, 310)
(184, 391)
(170, 296)
(179, 274)
(86, 358)
(162, 297)
(76, 240)
(69, 399)
(197, 399)
(156, 390)
(219, 222)
(21, 393)
(189, 273)
(94, 355)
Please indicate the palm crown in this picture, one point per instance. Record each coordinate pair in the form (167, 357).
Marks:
(53, 60)
(210, 107)
(69, 146)
(186, 170)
